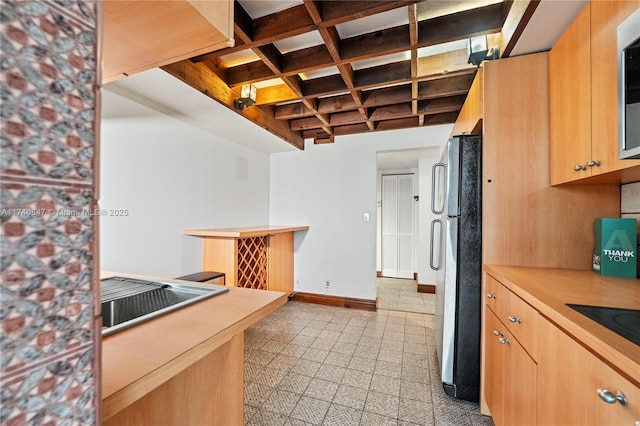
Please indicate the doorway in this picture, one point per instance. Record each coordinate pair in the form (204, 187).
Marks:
(398, 225)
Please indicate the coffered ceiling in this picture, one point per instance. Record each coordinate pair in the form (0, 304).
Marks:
(329, 68)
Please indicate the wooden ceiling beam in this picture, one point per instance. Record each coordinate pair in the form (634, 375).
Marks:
(275, 94)
(291, 111)
(389, 95)
(413, 41)
(400, 123)
(472, 22)
(445, 118)
(382, 42)
(306, 123)
(391, 112)
(441, 105)
(396, 72)
(280, 25)
(350, 129)
(445, 86)
(297, 20)
(207, 82)
(449, 62)
(349, 117)
(335, 104)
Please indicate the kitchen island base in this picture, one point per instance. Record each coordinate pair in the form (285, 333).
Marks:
(209, 392)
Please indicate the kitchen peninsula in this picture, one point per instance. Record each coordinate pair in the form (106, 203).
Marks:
(259, 257)
(186, 367)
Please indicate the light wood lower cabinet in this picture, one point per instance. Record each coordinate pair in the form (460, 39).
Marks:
(511, 376)
(569, 379)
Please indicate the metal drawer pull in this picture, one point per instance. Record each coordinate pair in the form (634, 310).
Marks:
(515, 319)
(504, 341)
(593, 163)
(578, 167)
(610, 398)
(497, 333)
(491, 295)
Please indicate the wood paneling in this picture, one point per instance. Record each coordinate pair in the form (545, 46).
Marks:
(209, 392)
(280, 258)
(570, 88)
(525, 221)
(572, 376)
(469, 121)
(140, 35)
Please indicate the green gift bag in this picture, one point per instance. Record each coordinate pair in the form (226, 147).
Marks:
(615, 251)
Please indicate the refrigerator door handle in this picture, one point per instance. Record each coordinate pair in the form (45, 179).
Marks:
(433, 188)
(433, 224)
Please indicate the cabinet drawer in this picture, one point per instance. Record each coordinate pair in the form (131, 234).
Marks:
(520, 318)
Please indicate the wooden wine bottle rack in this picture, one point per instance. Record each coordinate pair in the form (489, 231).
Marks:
(252, 262)
(258, 258)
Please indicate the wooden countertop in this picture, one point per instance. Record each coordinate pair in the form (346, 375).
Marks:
(137, 360)
(243, 232)
(548, 290)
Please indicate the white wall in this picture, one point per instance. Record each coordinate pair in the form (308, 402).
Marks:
(170, 176)
(329, 187)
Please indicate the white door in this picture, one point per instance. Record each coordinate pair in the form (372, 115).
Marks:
(398, 218)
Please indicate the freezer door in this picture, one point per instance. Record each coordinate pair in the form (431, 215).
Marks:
(453, 177)
(445, 303)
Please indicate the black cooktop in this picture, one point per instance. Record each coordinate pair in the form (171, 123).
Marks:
(625, 322)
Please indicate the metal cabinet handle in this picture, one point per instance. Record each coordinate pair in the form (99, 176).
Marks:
(433, 188)
(504, 341)
(515, 319)
(593, 163)
(491, 296)
(432, 244)
(578, 167)
(497, 333)
(610, 398)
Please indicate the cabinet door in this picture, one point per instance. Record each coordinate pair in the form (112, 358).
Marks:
(570, 102)
(605, 18)
(569, 379)
(494, 365)
(511, 377)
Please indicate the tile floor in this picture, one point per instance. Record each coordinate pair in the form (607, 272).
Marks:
(309, 364)
(398, 294)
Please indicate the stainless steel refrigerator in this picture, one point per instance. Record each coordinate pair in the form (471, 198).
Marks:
(456, 255)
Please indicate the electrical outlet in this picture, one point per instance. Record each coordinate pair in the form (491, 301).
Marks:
(327, 284)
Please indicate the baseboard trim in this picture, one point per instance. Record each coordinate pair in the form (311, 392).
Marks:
(378, 274)
(339, 301)
(426, 288)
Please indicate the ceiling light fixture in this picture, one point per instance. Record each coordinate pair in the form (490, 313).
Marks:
(478, 50)
(247, 97)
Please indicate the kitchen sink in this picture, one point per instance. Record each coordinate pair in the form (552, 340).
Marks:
(127, 302)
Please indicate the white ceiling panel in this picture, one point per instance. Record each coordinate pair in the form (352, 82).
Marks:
(432, 9)
(381, 60)
(442, 48)
(259, 8)
(302, 41)
(239, 58)
(319, 73)
(390, 19)
(268, 83)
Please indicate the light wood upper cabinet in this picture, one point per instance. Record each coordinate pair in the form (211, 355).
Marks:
(583, 98)
(469, 121)
(140, 35)
(570, 100)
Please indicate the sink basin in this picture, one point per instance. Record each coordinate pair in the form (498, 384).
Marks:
(127, 302)
(625, 322)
